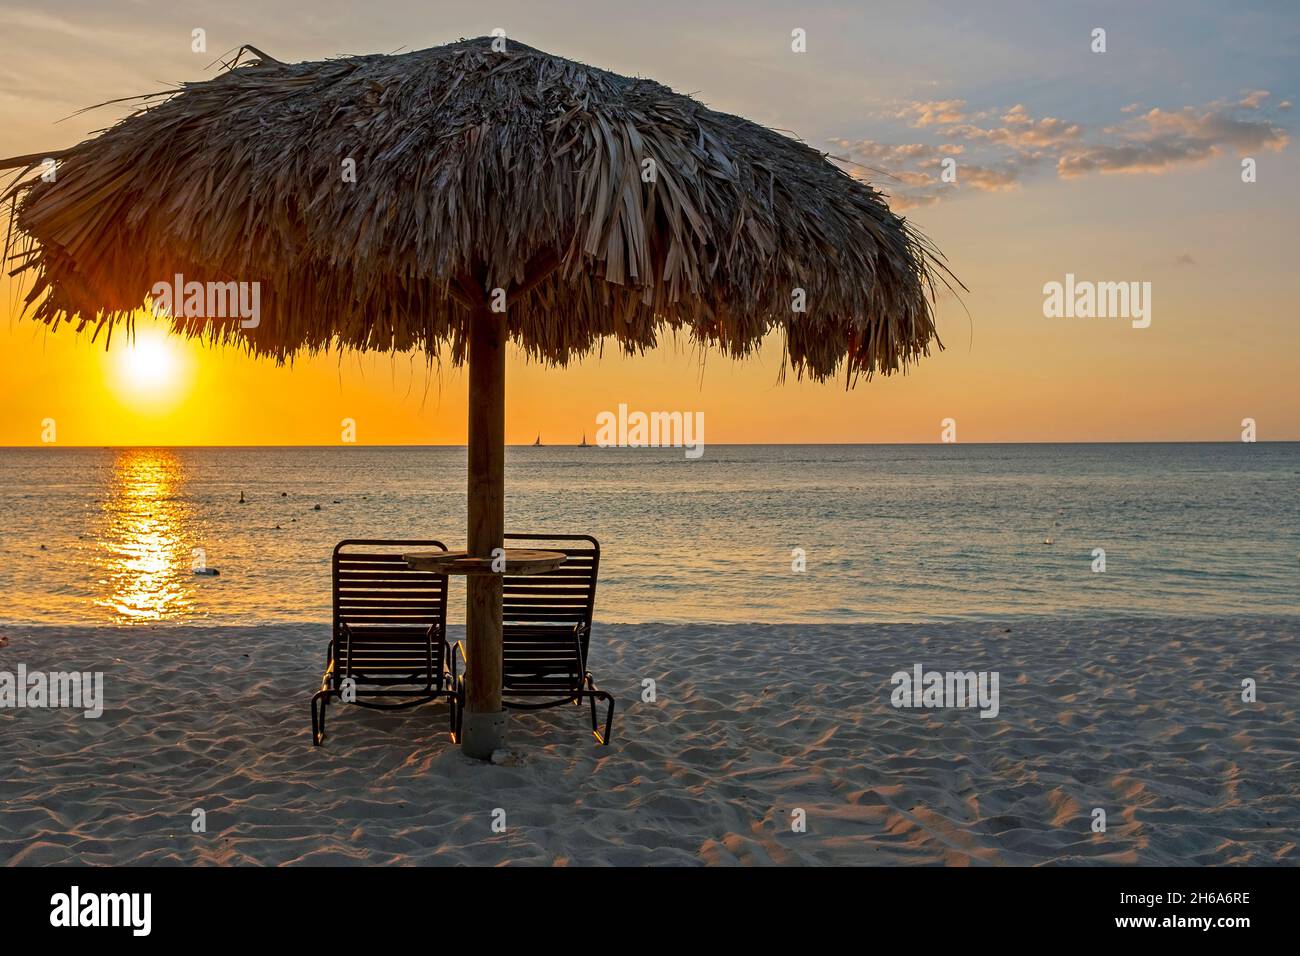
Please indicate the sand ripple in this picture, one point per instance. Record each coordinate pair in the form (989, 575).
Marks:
(1143, 719)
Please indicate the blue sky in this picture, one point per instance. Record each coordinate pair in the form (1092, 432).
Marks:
(865, 63)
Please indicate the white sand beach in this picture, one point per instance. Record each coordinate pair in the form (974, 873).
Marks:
(1143, 719)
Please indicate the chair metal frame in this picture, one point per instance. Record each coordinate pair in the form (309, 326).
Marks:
(546, 634)
(377, 621)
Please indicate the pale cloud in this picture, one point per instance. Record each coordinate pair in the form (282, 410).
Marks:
(923, 113)
(911, 173)
(903, 201)
(1020, 131)
(990, 179)
(888, 154)
(1160, 140)
(1000, 148)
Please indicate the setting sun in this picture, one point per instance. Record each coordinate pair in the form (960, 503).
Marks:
(151, 369)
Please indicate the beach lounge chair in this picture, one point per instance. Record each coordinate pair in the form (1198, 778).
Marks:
(546, 631)
(390, 632)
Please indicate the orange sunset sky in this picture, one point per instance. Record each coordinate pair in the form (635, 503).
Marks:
(1122, 166)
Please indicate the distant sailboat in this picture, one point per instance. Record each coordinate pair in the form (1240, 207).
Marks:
(584, 441)
(538, 442)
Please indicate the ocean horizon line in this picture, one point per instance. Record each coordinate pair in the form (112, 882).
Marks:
(772, 444)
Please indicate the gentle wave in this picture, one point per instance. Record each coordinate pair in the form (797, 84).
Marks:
(888, 533)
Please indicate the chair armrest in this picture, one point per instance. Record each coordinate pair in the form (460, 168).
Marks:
(428, 649)
(329, 672)
(577, 644)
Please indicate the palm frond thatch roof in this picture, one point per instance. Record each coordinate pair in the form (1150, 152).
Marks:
(475, 170)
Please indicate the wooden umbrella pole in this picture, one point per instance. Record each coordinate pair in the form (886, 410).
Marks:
(485, 721)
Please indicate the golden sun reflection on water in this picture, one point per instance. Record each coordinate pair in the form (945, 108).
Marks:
(143, 540)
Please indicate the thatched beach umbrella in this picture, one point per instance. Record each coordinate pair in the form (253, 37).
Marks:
(458, 198)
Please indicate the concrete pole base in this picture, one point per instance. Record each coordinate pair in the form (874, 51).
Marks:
(482, 733)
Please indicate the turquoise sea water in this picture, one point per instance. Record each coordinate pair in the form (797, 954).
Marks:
(888, 532)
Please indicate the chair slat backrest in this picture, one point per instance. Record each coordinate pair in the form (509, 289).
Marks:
(377, 593)
(561, 598)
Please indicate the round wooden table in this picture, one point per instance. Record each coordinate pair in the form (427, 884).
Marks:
(518, 561)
